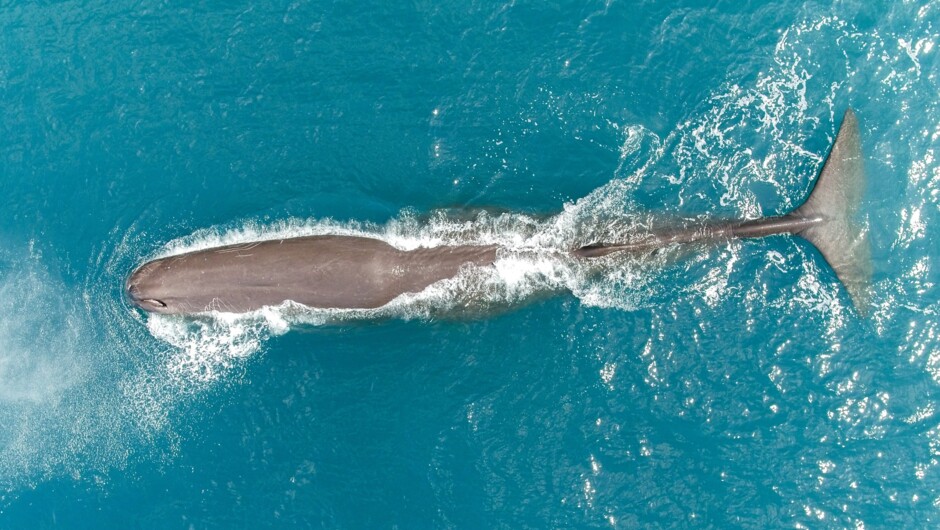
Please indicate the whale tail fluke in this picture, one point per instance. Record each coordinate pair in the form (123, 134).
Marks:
(834, 199)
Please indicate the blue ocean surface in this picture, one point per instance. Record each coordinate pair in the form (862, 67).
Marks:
(723, 386)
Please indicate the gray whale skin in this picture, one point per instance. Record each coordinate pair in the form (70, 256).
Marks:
(334, 271)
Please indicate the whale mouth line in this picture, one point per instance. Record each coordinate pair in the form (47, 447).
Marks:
(147, 304)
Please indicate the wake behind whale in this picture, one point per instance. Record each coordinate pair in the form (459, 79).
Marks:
(356, 272)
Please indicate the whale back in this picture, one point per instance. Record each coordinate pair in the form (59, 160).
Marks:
(343, 272)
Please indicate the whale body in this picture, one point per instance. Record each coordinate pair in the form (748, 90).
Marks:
(351, 272)
(344, 272)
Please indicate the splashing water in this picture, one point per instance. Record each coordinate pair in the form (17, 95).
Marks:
(71, 407)
(57, 405)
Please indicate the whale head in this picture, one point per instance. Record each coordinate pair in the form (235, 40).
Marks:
(147, 289)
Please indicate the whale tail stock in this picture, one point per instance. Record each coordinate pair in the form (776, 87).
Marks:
(826, 219)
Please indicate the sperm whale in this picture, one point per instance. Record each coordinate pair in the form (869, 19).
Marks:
(347, 272)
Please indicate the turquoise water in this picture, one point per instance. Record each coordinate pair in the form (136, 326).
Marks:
(731, 386)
